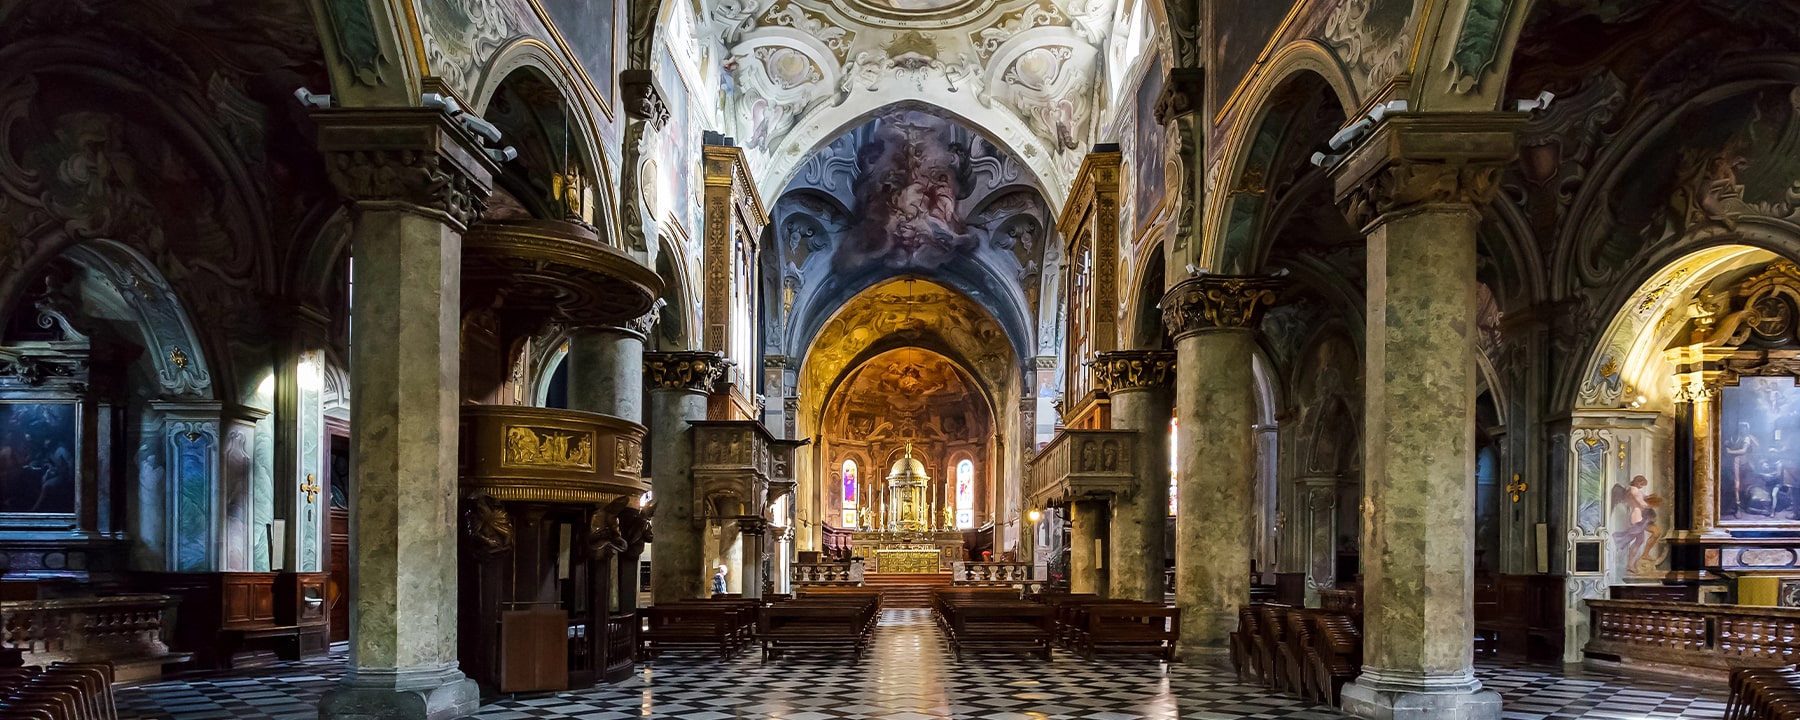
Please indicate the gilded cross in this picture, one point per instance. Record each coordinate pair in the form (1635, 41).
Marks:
(1516, 486)
(311, 488)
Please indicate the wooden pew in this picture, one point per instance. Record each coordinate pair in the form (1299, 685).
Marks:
(822, 624)
(689, 625)
(1136, 627)
(63, 691)
(994, 623)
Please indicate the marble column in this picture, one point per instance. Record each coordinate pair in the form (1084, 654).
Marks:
(1213, 319)
(754, 534)
(1139, 383)
(414, 181)
(1415, 187)
(606, 368)
(1087, 526)
(679, 383)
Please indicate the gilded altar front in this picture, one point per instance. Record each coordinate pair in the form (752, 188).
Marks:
(909, 561)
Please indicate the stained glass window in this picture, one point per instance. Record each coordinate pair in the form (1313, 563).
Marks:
(850, 493)
(965, 495)
(1172, 486)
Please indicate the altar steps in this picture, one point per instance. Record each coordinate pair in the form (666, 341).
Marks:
(906, 590)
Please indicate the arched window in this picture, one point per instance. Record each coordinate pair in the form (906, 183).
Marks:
(850, 493)
(965, 495)
(1173, 426)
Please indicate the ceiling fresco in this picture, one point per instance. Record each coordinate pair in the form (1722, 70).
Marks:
(906, 193)
(907, 395)
(1024, 70)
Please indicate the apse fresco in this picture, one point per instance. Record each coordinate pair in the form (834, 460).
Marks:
(1759, 458)
(37, 458)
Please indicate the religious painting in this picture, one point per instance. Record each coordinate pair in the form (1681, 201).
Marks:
(37, 458)
(1637, 523)
(1759, 459)
(850, 494)
(587, 27)
(1149, 185)
(965, 495)
(1244, 28)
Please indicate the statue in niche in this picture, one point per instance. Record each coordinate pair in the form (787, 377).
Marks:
(1089, 457)
(1109, 455)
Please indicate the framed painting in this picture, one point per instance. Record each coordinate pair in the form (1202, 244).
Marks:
(1759, 451)
(40, 465)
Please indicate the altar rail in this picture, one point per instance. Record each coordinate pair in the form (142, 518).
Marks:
(125, 630)
(826, 573)
(994, 574)
(1692, 635)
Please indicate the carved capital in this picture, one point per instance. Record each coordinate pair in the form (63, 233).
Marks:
(1410, 162)
(1120, 370)
(643, 324)
(641, 98)
(413, 159)
(696, 371)
(752, 525)
(1182, 93)
(1217, 302)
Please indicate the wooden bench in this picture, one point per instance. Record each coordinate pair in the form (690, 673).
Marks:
(63, 691)
(689, 625)
(1764, 694)
(984, 621)
(1137, 627)
(822, 624)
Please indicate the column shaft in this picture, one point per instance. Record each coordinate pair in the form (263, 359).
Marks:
(1216, 478)
(678, 555)
(1087, 525)
(1139, 516)
(606, 372)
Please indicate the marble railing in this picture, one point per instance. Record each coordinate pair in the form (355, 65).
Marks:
(828, 573)
(977, 574)
(1681, 634)
(1080, 464)
(125, 630)
(517, 453)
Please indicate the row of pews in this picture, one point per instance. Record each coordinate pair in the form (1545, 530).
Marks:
(62, 691)
(999, 620)
(1311, 653)
(1764, 694)
(825, 619)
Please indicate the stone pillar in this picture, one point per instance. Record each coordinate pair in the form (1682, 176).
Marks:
(1139, 382)
(1213, 319)
(678, 383)
(1087, 526)
(752, 548)
(414, 181)
(1414, 187)
(606, 368)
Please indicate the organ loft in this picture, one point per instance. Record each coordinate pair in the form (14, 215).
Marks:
(428, 359)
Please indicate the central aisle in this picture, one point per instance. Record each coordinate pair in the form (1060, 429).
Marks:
(910, 674)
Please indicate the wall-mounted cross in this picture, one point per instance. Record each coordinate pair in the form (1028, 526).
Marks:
(311, 488)
(1516, 486)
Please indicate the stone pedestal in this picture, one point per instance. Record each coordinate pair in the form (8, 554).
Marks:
(1140, 385)
(404, 397)
(1213, 318)
(1087, 526)
(1415, 186)
(678, 384)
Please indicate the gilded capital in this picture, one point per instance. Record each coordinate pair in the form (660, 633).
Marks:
(1217, 302)
(689, 370)
(1118, 370)
(412, 159)
(1412, 161)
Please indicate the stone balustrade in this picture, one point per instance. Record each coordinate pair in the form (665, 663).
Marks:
(1078, 464)
(993, 574)
(826, 573)
(125, 630)
(1692, 635)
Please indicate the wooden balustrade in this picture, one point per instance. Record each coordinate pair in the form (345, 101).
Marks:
(826, 573)
(125, 630)
(1692, 635)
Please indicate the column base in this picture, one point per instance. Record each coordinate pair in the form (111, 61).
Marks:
(403, 695)
(1203, 655)
(1389, 695)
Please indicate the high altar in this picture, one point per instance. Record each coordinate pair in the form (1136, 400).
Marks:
(912, 538)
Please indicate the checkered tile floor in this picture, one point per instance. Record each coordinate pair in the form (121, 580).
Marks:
(910, 675)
